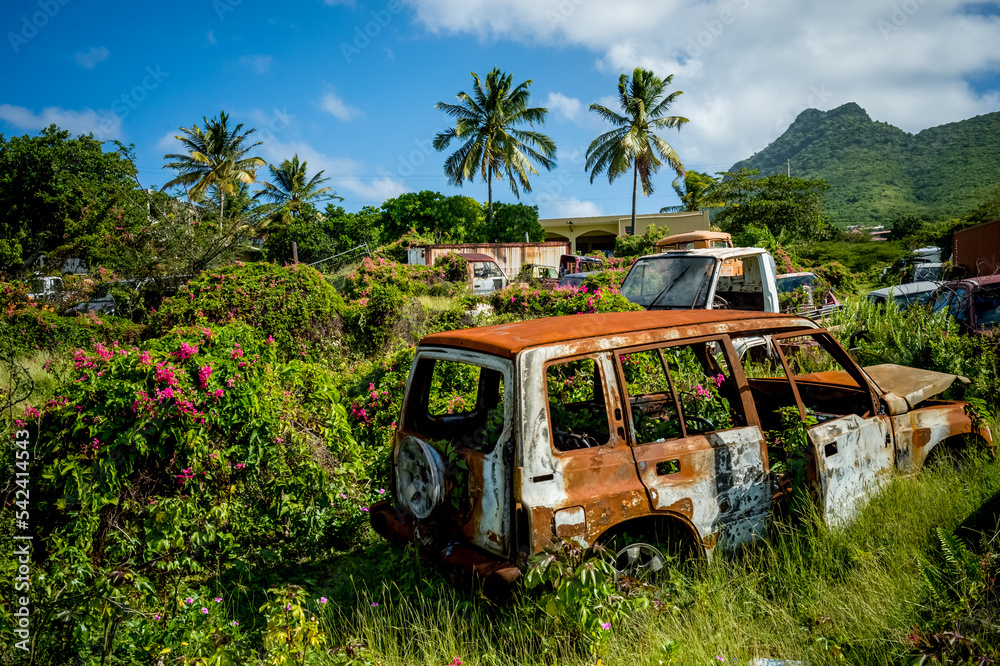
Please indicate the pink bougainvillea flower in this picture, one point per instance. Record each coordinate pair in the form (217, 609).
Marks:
(189, 600)
(186, 351)
(322, 600)
(217, 600)
(605, 626)
(204, 611)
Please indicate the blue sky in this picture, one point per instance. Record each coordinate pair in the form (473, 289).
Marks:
(351, 85)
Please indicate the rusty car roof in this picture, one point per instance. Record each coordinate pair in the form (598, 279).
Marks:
(693, 236)
(509, 339)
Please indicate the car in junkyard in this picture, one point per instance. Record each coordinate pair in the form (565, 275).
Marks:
(906, 295)
(742, 278)
(643, 432)
(485, 274)
(973, 302)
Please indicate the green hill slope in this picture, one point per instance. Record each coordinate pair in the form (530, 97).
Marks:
(878, 172)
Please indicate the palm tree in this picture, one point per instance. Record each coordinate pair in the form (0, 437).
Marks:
(634, 143)
(486, 121)
(216, 159)
(292, 188)
(694, 195)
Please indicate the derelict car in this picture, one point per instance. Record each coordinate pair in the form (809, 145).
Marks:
(639, 429)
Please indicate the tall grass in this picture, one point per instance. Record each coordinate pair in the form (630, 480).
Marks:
(805, 593)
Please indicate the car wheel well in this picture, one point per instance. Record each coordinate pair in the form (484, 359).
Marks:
(675, 531)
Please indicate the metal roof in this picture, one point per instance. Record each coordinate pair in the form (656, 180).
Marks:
(509, 339)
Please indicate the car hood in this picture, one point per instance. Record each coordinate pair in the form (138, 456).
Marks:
(909, 385)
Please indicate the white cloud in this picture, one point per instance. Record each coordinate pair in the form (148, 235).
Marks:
(334, 3)
(211, 37)
(346, 175)
(105, 125)
(748, 68)
(338, 108)
(573, 208)
(568, 107)
(258, 64)
(89, 59)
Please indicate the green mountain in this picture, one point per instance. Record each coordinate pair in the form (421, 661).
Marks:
(878, 172)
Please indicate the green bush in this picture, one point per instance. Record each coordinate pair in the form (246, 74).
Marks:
(528, 303)
(627, 246)
(293, 304)
(453, 267)
(36, 328)
(197, 458)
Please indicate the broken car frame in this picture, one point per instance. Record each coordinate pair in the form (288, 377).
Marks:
(645, 424)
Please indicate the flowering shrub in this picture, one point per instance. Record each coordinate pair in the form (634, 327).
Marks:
(409, 280)
(293, 304)
(453, 267)
(213, 456)
(527, 302)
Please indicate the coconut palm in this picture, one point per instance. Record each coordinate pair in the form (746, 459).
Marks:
(216, 160)
(292, 187)
(634, 143)
(694, 194)
(486, 121)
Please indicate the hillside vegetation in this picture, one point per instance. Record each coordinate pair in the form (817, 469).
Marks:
(878, 173)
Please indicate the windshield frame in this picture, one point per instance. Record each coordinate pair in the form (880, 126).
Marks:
(704, 291)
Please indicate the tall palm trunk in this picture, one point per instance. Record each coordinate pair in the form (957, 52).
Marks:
(489, 190)
(635, 186)
(222, 205)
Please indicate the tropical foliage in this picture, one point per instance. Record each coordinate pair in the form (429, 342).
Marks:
(217, 159)
(634, 145)
(693, 190)
(486, 125)
(292, 188)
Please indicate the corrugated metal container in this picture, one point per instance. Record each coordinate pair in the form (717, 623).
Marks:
(978, 248)
(509, 256)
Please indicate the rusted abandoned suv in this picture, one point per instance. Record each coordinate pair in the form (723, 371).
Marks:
(637, 430)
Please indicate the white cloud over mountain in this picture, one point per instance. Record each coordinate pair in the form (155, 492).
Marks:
(748, 67)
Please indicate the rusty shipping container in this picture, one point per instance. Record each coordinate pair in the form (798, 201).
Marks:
(978, 248)
(509, 256)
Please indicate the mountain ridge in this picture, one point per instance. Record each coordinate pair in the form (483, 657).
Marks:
(878, 172)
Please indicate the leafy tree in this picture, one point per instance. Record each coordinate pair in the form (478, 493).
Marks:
(62, 196)
(693, 195)
(634, 144)
(905, 225)
(486, 123)
(447, 219)
(510, 224)
(629, 245)
(217, 159)
(779, 202)
(292, 188)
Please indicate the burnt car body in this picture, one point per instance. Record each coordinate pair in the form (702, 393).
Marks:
(974, 303)
(593, 427)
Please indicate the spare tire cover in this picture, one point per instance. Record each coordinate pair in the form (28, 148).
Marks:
(419, 477)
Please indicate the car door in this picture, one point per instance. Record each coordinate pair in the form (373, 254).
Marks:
(695, 452)
(850, 439)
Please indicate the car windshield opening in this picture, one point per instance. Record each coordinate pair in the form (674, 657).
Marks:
(670, 282)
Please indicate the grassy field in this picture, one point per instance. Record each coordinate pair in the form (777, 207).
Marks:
(806, 593)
